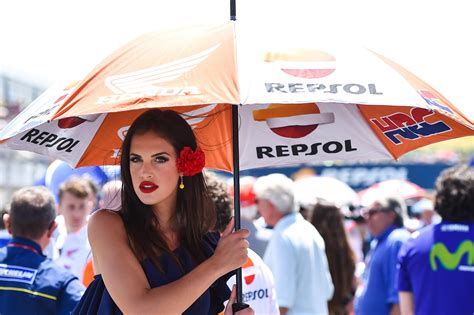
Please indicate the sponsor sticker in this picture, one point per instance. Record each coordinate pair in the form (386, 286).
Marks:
(17, 273)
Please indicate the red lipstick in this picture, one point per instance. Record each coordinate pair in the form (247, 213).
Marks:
(148, 187)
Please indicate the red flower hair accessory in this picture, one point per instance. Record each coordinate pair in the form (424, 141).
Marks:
(190, 162)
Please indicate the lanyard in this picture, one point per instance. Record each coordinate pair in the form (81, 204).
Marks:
(27, 247)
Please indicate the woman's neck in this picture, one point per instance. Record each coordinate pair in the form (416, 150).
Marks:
(165, 213)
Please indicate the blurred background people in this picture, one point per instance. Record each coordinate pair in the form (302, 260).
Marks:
(329, 222)
(258, 286)
(110, 195)
(296, 253)
(75, 206)
(30, 283)
(259, 233)
(4, 235)
(110, 198)
(377, 292)
(437, 264)
(424, 211)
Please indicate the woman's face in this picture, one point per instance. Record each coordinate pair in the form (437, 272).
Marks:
(153, 168)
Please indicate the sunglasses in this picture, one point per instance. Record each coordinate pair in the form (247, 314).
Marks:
(370, 212)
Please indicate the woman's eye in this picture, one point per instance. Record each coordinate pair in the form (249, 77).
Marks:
(161, 159)
(134, 159)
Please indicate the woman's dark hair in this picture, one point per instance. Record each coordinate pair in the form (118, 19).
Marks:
(195, 214)
(455, 194)
(328, 220)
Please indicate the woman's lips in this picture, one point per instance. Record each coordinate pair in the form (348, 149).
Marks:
(148, 187)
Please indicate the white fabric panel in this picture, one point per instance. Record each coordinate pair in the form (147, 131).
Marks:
(66, 143)
(347, 137)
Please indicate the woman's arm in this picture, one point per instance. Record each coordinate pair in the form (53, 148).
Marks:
(126, 281)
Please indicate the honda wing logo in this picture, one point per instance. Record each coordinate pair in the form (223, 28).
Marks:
(146, 82)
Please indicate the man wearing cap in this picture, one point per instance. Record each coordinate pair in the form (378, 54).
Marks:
(296, 252)
(377, 292)
(436, 273)
(30, 283)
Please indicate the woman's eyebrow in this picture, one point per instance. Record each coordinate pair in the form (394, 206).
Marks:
(160, 153)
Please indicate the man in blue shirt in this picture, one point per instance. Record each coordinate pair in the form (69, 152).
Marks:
(437, 264)
(377, 292)
(30, 283)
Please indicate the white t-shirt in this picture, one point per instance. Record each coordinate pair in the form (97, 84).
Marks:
(258, 287)
(297, 259)
(74, 251)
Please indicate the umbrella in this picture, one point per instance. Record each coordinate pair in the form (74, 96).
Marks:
(309, 190)
(293, 104)
(297, 105)
(395, 187)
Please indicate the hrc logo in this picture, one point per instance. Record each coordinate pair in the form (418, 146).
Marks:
(398, 127)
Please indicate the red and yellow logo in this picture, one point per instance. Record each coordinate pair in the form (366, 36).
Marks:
(293, 120)
(250, 277)
(303, 63)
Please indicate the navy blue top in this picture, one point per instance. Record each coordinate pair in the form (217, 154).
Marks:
(30, 283)
(97, 299)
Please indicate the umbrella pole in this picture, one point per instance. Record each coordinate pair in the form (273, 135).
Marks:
(233, 14)
(238, 305)
(235, 149)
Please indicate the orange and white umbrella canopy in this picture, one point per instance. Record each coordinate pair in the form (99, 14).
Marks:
(296, 104)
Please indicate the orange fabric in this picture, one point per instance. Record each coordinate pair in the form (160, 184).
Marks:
(403, 129)
(212, 126)
(88, 275)
(284, 110)
(174, 74)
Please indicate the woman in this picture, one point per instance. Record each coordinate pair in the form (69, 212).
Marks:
(155, 255)
(328, 220)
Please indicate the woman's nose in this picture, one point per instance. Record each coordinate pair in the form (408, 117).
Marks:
(146, 171)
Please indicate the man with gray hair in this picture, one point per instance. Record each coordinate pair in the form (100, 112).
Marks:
(30, 283)
(296, 252)
(377, 293)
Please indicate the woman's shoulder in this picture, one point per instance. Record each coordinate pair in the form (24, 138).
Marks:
(105, 220)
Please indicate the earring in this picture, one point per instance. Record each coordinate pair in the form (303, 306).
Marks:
(181, 185)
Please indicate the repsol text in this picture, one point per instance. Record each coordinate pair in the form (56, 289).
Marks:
(49, 140)
(330, 147)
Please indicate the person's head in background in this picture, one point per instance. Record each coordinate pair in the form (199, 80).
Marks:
(95, 189)
(454, 199)
(75, 203)
(275, 197)
(384, 212)
(111, 195)
(248, 205)
(423, 210)
(217, 190)
(329, 221)
(31, 215)
(3, 211)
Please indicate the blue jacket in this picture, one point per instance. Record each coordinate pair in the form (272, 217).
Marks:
(30, 283)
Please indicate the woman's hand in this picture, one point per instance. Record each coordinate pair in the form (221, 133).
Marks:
(231, 251)
(232, 299)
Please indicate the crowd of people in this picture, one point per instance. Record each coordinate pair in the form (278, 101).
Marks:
(160, 240)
